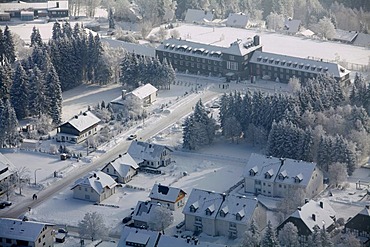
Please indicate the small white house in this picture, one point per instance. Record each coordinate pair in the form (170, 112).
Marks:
(95, 188)
(170, 197)
(149, 154)
(122, 169)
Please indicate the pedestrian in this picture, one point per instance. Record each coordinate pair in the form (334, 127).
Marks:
(34, 197)
(29, 209)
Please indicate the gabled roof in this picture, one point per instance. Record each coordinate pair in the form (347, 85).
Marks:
(203, 200)
(6, 167)
(298, 64)
(360, 221)
(143, 211)
(238, 205)
(323, 216)
(165, 193)
(22, 230)
(144, 91)
(198, 16)
(269, 168)
(20, 5)
(83, 121)
(237, 20)
(141, 151)
(292, 26)
(135, 235)
(345, 36)
(362, 39)
(122, 164)
(241, 47)
(98, 181)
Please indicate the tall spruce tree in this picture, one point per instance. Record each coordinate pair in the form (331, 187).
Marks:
(9, 48)
(19, 92)
(269, 238)
(8, 124)
(54, 96)
(36, 39)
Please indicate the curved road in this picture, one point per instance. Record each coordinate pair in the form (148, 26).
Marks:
(183, 108)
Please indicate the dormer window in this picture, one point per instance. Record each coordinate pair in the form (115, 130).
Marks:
(269, 174)
(289, 63)
(295, 64)
(298, 178)
(253, 171)
(194, 207)
(283, 175)
(210, 210)
(259, 58)
(224, 211)
(239, 215)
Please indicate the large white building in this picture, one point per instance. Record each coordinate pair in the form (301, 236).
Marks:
(271, 176)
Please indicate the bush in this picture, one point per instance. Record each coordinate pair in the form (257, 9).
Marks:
(127, 38)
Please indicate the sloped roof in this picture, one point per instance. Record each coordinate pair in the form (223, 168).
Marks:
(198, 16)
(144, 91)
(292, 26)
(169, 241)
(20, 5)
(98, 181)
(289, 169)
(289, 62)
(323, 215)
(139, 49)
(235, 204)
(83, 121)
(203, 199)
(123, 163)
(362, 39)
(307, 33)
(143, 211)
(141, 151)
(360, 221)
(6, 167)
(345, 36)
(237, 20)
(165, 193)
(135, 234)
(22, 230)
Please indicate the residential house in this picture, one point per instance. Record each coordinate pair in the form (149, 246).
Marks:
(281, 68)
(78, 128)
(311, 214)
(360, 225)
(95, 188)
(4, 16)
(121, 169)
(143, 213)
(344, 36)
(292, 26)
(270, 176)
(15, 232)
(29, 10)
(138, 237)
(197, 58)
(362, 39)
(198, 16)
(7, 172)
(171, 197)
(236, 213)
(238, 20)
(149, 154)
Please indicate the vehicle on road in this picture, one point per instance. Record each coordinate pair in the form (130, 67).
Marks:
(132, 137)
(5, 204)
(62, 230)
(181, 224)
(126, 219)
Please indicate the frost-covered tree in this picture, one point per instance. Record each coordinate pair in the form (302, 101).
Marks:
(36, 39)
(269, 237)
(337, 173)
(8, 124)
(252, 236)
(19, 92)
(347, 239)
(325, 238)
(9, 49)
(275, 21)
(288, 235)
(22, 176)
(92, 226)
(292, 199)
(54, 96)
(160, 218)
(326, 28)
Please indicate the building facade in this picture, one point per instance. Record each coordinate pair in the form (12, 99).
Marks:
(122, 169)
(149, 154)
(359, 225)
(170, 197)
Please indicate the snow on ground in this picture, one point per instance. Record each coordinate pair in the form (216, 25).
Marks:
(274, 42)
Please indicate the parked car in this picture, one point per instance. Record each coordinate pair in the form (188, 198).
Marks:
(132, 137)
(5, 204)
(126, 219)
(181, 224)
(62, 230)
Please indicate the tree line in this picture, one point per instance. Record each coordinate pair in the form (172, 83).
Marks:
(318, 123)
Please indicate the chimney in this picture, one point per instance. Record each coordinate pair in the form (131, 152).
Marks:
(57, 4)
(123, 93)
(367, 206)
(314, 217)
(256, 40)
(299, 208)
(94, 175)
(282, 161)
(306, 200)
(321, 204)
(196, 241)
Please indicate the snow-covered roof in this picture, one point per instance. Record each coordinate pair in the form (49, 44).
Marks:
(292, 26)
(22, 230)
(135, 235)
(141, 151)
(345, 36)
(362, 39)
(234, 205)
(138, 49)
(144, 91)
(298, 64)
(17, 6)
(143, 211)
(365, 211)
(169, 241)
(6, 167)
(316, 213)
(307, 33)
(237, 20)
(201, 200)
(98, 181)
(198, 16)
(165, 193)
(284, 171)
(83, 121)
(60, 5)
(123, 163)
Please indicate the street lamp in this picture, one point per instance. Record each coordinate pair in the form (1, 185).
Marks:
(35, 173)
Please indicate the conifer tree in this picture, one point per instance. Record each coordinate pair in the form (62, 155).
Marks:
(9, 48)
(19, 92)
(54, 96)
(36, 39)
(269, 238)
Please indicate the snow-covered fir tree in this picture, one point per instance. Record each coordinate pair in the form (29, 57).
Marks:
(36, 39)
(8, 44)
(19, 92)
(288, 235)
(54, 96)
(269, 237)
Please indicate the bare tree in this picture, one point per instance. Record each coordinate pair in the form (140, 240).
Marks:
(293, 198)
(162, 34)
(294, 84)
(275, 21)
(160, 218)
(288, 235)
(337, 173)
(175, 34)
(347, 239)
(92, 226)
(326, 28)
(22, 176)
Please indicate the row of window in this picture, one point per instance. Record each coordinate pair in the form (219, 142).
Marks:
(198, 66)
(287, 71)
